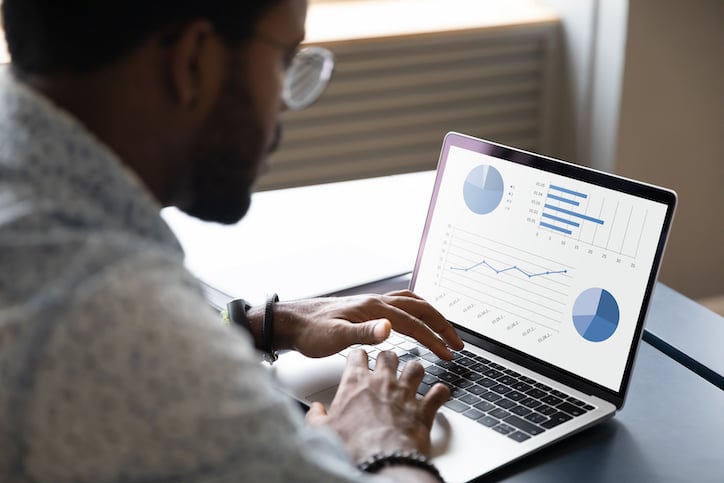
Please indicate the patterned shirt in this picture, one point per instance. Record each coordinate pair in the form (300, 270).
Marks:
(112, 366)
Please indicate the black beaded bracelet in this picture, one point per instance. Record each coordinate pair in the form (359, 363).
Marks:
(377, 461)
(268, 329)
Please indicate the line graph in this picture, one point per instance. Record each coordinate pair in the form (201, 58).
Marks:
(508, 269)
(536, 288)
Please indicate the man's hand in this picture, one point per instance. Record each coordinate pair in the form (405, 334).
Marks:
(322, 326)
(375, 412)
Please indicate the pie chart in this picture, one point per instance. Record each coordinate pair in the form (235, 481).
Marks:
(595, 314)
(483, 189)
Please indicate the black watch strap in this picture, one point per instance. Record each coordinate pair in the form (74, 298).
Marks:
(237, 310)
(268, 329)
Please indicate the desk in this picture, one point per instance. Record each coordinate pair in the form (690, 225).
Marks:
(688, 333)
(672, 427)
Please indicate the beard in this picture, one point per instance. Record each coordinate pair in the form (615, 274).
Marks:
(226, 158)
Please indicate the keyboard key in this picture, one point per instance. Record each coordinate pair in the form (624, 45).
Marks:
(423, 388)
(543, 387)
(467, 353)
(536, 418)
(485, 406)
(457, 393)
(505, 403)
(528, 380)
(456, 406)
(556, 419)
(552, 400)
(473, 376)
(571, 409)
(435, 370)
(429, 379)
(536, 393)
(515, 396)
(588, 407)
(487, 382)
(511, 372)
(479, 367)
(477, 390)
(473, 414)
(546, 409)
(408, 346)
(575, 401)
(431, 357)
(521, 411)
(500, 389)
(492, 396)
(503, 429)
(497, 366)
(522, 386)
(507, 380)
(466, 361)
(464, 383)
(523, 425)
(518, 436)
(499, 413)
(470, 399)
(406, 357)
(448, 377)
(488, 421)
(529, 402)
(559, 394)
(493, 374)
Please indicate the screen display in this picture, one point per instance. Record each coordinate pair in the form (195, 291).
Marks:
(551, 266)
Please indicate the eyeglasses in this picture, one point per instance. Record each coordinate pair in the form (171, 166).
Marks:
(307, 76)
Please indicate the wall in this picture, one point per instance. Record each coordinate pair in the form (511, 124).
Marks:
(671, 129)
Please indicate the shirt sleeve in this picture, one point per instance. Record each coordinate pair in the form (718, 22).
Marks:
(139, 380)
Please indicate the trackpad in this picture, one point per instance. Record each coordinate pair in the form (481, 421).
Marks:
(310, 379)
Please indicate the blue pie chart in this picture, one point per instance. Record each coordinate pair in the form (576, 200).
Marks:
(595, 314)
(483, 189)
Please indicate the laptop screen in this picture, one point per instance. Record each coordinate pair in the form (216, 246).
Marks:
(546, 258)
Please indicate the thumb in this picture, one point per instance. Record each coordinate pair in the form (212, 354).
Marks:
(316, 414)
(372, 332)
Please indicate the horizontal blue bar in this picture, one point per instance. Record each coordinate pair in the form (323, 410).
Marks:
(554, 227)
(564, 200)
(562, 220)
(566, 190)
(573, 213)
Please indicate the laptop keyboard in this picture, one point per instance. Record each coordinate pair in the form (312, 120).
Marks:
(495, 396)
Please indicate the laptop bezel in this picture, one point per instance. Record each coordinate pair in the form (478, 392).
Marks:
(585, 174)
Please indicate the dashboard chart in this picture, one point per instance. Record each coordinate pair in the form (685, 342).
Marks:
(545, 264)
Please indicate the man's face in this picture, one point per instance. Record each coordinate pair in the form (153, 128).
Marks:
(232, 148)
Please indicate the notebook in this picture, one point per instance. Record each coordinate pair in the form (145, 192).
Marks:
(546, 270)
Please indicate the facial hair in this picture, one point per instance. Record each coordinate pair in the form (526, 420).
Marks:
(226, 158)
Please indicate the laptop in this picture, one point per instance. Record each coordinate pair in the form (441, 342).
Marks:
(546, 270)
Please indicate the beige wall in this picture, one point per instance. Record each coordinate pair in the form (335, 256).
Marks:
(671, 129)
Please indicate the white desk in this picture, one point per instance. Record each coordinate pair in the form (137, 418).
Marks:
(312, 240)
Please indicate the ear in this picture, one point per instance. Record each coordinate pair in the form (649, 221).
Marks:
(195, 66)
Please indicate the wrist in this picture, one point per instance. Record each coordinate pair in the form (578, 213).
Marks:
(387, 461)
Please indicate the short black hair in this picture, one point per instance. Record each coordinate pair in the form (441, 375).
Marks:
(76, 36)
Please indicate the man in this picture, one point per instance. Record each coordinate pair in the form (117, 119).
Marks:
(112, 366)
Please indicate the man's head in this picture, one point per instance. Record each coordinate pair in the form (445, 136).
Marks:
(187, 92)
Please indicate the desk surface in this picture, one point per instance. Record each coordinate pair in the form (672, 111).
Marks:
(687, 332)
(671, 428)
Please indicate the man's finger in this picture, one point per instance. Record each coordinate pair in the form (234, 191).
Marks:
(387, 361)
(411, 377)
(438, 395)
(371, 332)
(316, 414)
(356, 368)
